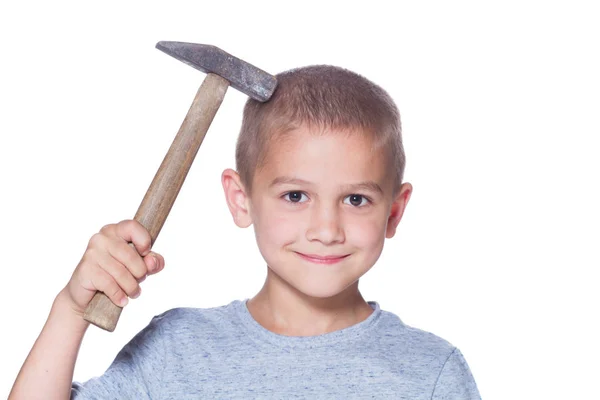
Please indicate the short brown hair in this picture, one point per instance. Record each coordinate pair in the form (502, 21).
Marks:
(320, 96)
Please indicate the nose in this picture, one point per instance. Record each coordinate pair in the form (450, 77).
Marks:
(325, 226)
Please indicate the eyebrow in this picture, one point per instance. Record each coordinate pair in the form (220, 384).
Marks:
(367, 185)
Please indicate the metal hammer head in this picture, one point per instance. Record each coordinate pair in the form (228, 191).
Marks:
(241, 75)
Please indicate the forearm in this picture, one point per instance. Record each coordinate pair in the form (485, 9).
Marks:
(48, 370)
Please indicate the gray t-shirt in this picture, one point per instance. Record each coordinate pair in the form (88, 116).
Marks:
(224, 353)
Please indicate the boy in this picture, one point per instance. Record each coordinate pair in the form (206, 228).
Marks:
(319, 175)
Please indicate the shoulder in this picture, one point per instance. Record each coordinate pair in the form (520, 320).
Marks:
(425, 356)
(194, 321)
(393, 329)
(403, 344)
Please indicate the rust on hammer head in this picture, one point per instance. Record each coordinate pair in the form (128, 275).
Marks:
(241, 75)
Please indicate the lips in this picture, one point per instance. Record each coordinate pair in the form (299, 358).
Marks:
(323, 259)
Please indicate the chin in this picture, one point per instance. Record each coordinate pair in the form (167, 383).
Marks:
(319, 291)
(320, 294)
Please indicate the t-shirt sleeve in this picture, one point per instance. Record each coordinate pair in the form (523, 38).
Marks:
(455, 381)
(134, 374)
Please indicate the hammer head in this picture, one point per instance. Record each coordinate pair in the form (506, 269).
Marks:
(241, 75)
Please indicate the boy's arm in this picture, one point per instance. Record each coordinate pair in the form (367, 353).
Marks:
(48, 370)
(109, 265)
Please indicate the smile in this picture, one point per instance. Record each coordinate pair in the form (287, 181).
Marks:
(322, 259)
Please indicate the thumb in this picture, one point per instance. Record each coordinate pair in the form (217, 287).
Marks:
(154, 262)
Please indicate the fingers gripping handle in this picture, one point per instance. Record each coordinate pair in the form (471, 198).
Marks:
(167, 182)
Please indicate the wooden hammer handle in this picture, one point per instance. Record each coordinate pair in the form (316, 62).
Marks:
(167, 182)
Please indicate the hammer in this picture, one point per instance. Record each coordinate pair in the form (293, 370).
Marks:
(223, 70)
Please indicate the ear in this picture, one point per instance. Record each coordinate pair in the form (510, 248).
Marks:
(237, 200)
(397, 209)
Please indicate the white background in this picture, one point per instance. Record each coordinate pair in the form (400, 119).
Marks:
(498, 250)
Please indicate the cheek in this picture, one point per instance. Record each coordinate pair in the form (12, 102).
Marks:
(277, 226)
(366, 233)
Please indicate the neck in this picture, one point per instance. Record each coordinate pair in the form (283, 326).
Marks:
(284, 310)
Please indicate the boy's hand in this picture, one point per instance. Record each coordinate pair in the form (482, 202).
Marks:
(111, 265)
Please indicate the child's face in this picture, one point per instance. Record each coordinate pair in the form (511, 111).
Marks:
(318, 195)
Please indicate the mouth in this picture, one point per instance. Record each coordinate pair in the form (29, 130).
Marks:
(319, 259)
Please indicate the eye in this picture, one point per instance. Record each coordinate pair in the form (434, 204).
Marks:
(294, 197)
(357, 200)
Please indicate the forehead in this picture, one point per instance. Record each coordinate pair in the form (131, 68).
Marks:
(327, 157)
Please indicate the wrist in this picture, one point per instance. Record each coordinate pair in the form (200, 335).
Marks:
(63, 309)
